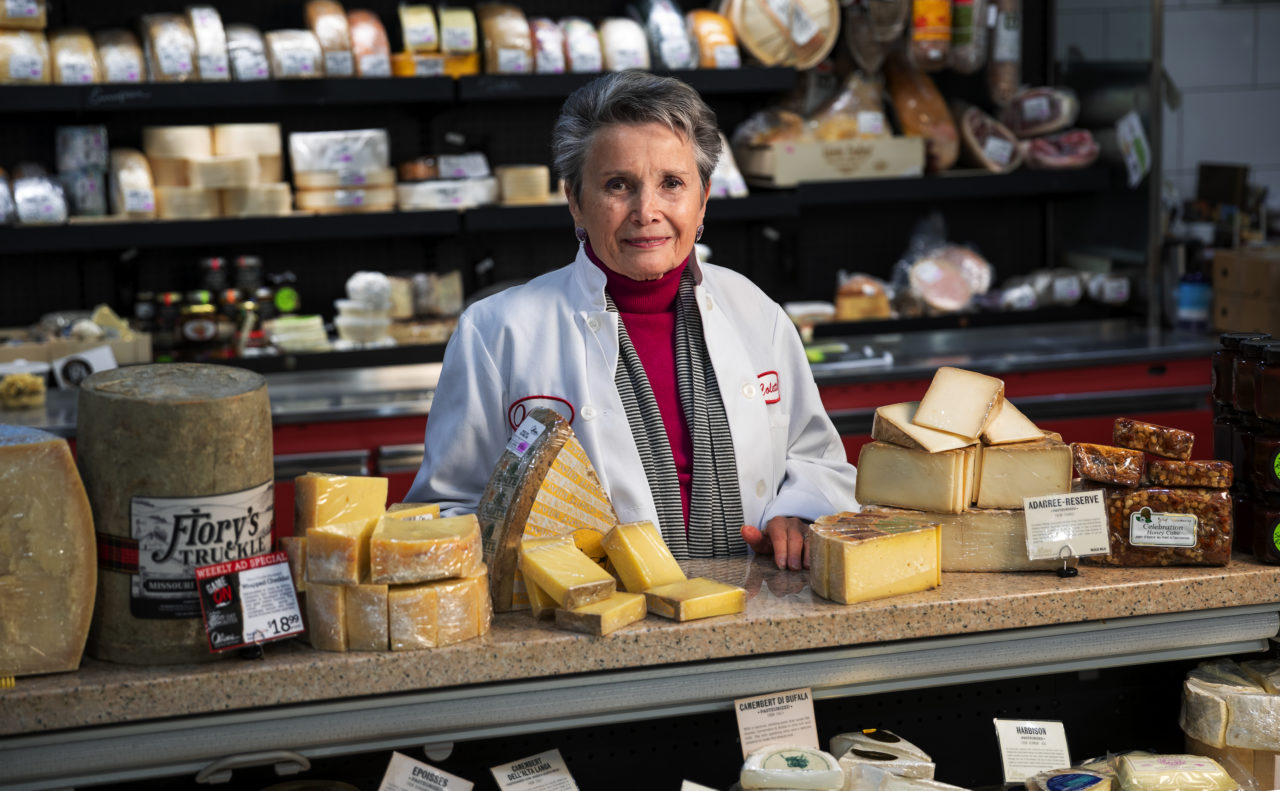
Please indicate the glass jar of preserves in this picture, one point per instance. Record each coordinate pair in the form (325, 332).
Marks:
(1225, 421)
(1244, 374)
(1266, 390)
(1264, 459)
(1242, 501)
(1224, 363)
(1266, 529)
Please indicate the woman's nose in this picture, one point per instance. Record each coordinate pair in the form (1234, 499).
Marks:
(645, 210)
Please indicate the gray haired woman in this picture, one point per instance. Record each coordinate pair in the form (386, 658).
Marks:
(686, 385)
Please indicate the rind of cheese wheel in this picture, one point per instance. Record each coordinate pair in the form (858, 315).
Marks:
(414, 510)
(322, 498)
(874, 556)
(327, 616)
(1265, 673)
(261, 200)
(294, 55)
(543, 485)
(211, 43)
(187, 203)
(605, 616)
(695, 598)
(32, 16)
(121, 56)
(242, 139)
(340, 179)
(893, 423)
(436, 614)
(338, 554)
(419, 29)
(366, 617)
(960, 402)
(906, 478)
(508, 42)
(1010, 425)
(713, 35)
(1012, 472)
(458, 31)
(640, 557)
(409, 550)
(177, 142)
(171, 47)
(169, 172)
(369, 44)
(48, 568)
(24, 58)
(1204, 713)
(132, 189)
(296, 548)
(563, 572)
(623, 44)
(978, 539)
(222, 172)
(74, 57)
(523, 185)
(346, 200)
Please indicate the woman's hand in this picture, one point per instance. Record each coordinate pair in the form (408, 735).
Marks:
(784, 538)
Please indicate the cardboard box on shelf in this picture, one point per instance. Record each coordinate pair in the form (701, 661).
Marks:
(15, 345)
(1235, 313)
(786, 164)
(1262, 765)
(1251, 272)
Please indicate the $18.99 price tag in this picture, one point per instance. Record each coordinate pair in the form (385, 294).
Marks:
(250, 601)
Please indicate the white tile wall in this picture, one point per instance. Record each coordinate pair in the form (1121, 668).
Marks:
(1128, 35)
(1210, 47)
(1239, 125)
(1269, 45)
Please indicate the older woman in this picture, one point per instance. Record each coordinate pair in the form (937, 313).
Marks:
(687, 386)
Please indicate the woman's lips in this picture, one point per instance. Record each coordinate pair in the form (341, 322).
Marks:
(646, 243)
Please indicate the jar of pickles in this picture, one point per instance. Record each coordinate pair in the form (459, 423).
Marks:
(1224, 363)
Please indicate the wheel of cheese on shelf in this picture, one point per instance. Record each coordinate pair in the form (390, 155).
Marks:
(548, 46)
(211, 43)
(260, 200)
(294, 55)
(24, 57)
(670, 46)
(168, 453)
(801, 41)
(328, 20)
(369, 44)
(713, 37)
(263, 141)
(248, 53)
(508, 44)
(121, 56)
(131, 186)
(74, 57)
(623, 44)
(339, 179)
(48, 570)
(187, 203)
(23, 15)
(419, 30)
(342, 201)
(458, 30)
(523, 185)
(170, 45)
(581, 45)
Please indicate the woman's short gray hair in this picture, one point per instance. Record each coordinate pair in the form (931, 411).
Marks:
(632, 97)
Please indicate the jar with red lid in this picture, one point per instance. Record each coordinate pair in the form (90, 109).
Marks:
(1224, 362)
(1264, 459)
(1266, 529)
(1266, 401)
(1244, 374)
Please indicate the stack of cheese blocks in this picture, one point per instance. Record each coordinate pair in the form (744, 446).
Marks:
(203, 172)
(1231, 713)
(868, 755)
(376, 579)
(965, 457)
(856, 557)
(343, 172)
(565, 584)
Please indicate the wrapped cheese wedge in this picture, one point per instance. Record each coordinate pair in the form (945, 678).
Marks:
(623, 44)
(714, 39)
(211, 43)
(248, 53)
(548, 46)
(369, 44)
(74, 57)
(121, 56)
(419, 29)
(24, 58)
(669, 44)
(170, 45)
(582, 50)
(294, 55)
(508, 43)
(328, 20)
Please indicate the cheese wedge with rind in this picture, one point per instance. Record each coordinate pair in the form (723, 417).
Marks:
(1023, 469)
(873, 559)
(1010, 425)
(564, 573)
(905, 478)
(696, 598)
(640, 557)
(960, 402)
(411, 550)
(892, 423)
(541, 605)
(605, 616)
(978, 539)
(324, 499)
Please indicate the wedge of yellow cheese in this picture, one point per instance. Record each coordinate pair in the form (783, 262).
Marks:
(605, 616)
(699, 597)
(436, 614)
(414, 510)
(412, 550)
(564, 572)
(323, 499)
(541, 605)
(960, 402)
(885, 556)
(640, 557)
(907, 478)
(327, 616)
(296, 548)
(339, 554)
(366, 612)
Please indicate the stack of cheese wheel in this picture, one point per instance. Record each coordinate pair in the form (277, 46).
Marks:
(168, 453)
(421, 56)
(203, 172)
(328, 21)
(343, 172)
(269, 195)
(375, 578)
(802, 41)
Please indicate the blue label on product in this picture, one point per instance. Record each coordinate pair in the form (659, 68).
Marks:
(1071, 782)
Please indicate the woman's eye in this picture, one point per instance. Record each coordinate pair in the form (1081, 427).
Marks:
(615, 185)
(673, 183)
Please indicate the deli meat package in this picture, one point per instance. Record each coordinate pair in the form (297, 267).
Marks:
(987, 142)
(1040, 111)
(1064, 151)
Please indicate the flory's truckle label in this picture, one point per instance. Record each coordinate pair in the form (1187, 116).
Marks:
(176, 535)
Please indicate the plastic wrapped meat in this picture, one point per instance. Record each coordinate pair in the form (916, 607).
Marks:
(987, 142)
(923, 113)
(668, 37)
(940, 283)
(1072, 149)
(1040, 111)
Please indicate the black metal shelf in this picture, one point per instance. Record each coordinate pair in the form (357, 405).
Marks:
(506, 87)
(956, 185)
(517, 218)
(250, 230)
(1085, 311)
(409, 354)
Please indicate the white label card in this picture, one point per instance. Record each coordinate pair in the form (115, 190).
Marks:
(526, 433)
(513, 61)
(139, 201)
(1028, 748)
(423, 36)
(870, 122)
(459, 40)
(21, 9)
(348, 198)
(76, 70)
(339, 64)
(727, 57)
(26, 67)
(1076, 521)
(998, 150)
(777, 718)
(1134, 146)
(213, 66)
(541, 772)
(428, 67)
(376, 65)
(406, 774)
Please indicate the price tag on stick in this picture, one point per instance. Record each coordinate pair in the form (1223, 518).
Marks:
(248, 602)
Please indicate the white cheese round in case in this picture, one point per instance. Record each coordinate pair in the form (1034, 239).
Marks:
(780, 766)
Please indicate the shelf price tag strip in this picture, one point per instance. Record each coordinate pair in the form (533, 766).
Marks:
(248, 602)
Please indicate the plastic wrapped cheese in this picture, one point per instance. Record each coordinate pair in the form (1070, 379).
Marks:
(211, 43)
(327, 19)
(418, 28)
(80, 147)
(369, 44)
(357, 149)
(260, 200)
(187, 203)
(791, 767)
(548, 46)
(262, 141)
(508, 43)
(74, 57)
(669, 44)
(582, 51)
(248, 53)
(294, 55)
(623, 44)
(1172, 773)
(121, 56)
(85, 191)
(131, 188)
(23, 14)
(24, 57)
(713, 37)
(38, 199)
(458, 30)
(170, 46)
(346, 200)
(447, 194)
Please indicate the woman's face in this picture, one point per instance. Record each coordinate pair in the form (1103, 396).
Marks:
(641, 200)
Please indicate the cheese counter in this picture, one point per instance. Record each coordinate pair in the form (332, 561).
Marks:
(298, 703)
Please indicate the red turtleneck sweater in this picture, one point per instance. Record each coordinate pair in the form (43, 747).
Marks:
(648, 311)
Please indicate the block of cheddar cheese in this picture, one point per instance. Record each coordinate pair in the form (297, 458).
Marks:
(338, 554)
(366, 615)
(563, 572)
(640, 557)
(960, 402)
(323, 498)
(327, 616)
(605, 616)
(436, 614)
(862, 560)
(405, 550)
(696, 598)
(24, 58)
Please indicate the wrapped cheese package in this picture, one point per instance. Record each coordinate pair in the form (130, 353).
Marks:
(211, 43)
(121, 56)
(262, 141)
(581, 46)
(713, 39)
(669, 44)
(623, 44)
(369, 44)
(131, 188)
(294, 55)
(81, 147)
(458, 30)
(923, 113)
(23, 15)
(328, 20)
(508, 43)
(802, 40)
(854, 113)
(170, 45)
(24, 57)
(38, 199)
(85, 192)
(548, 46)
(260, 200)
(248, 53)
(74, 57)
(1074, 148)
(419, 29)
(356, 149)
(187, 203)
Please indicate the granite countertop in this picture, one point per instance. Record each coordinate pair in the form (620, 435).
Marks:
(783, 615)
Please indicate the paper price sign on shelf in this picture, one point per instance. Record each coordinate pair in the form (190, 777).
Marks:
(406, 774)
(1028, 748)
(250, 601)
(777, 718)
(541, 772)
(1066, 525)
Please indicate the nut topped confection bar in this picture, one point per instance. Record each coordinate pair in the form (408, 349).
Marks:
(1105, 464)
(1205, 474)
(1171, 443)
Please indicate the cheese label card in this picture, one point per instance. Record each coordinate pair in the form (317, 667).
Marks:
(406, 774)
(1028, 748)
(541, 772)
(527, 432)
(1076, 521)
(1134, 145)
(777, 718)
(249, 601)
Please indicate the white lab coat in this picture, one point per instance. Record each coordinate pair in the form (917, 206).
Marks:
(551, 342)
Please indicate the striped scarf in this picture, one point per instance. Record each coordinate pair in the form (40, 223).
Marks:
(715, 504)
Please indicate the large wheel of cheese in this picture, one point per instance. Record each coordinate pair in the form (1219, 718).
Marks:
(173, 430)
(801, 41)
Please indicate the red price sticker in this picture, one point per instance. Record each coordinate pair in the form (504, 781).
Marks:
(248, 602)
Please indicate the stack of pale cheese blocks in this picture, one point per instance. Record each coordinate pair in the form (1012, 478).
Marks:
(1231, 713)
(564, 583)
(963, 457)
(377, 578)
(229, 170)
(871, 759)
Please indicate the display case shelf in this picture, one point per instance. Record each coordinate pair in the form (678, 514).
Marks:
(956, 185)
(505, 87)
